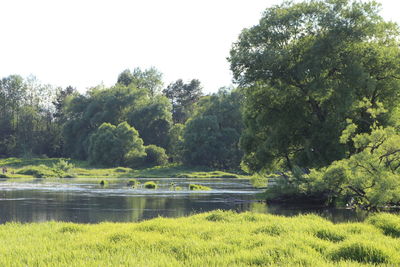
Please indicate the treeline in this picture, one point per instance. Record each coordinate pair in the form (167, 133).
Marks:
(135, 123)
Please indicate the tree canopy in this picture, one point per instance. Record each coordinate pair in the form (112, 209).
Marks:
(211, 136)
(306, 68)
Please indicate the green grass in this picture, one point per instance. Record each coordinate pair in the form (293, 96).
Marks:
(47, 167)
(210, 239)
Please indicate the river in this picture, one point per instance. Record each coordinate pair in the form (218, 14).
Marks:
(86, 201)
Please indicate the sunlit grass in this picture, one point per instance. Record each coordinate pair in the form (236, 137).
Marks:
(43, 168)
(210, 239)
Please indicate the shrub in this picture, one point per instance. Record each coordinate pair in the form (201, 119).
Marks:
(3, 175)
(155, 156)
(63, 165)
(197, 187)
(150, 185)
(109, 145)
(135, 159)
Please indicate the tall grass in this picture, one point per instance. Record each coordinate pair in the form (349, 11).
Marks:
(210, 239)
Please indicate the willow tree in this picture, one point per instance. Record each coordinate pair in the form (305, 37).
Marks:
(306, 67)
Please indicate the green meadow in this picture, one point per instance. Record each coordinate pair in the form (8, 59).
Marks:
(69, 168)
(210, 239)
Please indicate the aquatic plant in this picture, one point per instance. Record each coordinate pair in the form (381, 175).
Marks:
(103, 183)
(150, 185)
(197, 187)
(133, 183)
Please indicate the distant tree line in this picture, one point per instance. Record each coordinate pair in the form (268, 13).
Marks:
(137, 122)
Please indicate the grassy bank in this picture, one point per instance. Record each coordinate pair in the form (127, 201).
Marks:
(209, 239)
(48, 167)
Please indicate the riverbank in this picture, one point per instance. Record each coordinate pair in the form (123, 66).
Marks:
(56, 168)
(208, 239)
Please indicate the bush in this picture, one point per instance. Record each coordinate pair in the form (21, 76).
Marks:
(135, 159)
(150, 185)
(197, 187)
(109, 145)
(3, 175)
(155, 156)
(63, 165)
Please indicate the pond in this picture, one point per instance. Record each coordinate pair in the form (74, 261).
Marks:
(85, 201)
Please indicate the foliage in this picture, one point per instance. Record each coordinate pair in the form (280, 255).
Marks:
(183, 96)
(306, 67)
(155, 156)
(98, 106)
(149, 79)
(219, 237)
(175, 145)
(153, 120)
(369, 178)
(110, 144)
(211, 136)
(26, 118)
(63, 165)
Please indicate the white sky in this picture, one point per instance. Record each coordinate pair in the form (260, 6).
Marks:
(85, 42)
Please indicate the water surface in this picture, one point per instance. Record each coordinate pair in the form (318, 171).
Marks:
(85, 201)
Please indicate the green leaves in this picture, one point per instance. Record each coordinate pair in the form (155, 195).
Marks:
(109, 145)
(211, 136)
(307, 67)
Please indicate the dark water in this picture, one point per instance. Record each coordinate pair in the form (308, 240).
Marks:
(85, 201)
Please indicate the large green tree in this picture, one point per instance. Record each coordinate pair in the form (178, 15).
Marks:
(149, 79)
(183, 97)
(211, 135)
(153, 120)
(26, 118)
(109, 145)
(307, 67)
(87, 112)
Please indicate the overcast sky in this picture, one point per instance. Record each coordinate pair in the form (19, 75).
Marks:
(85, 42)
